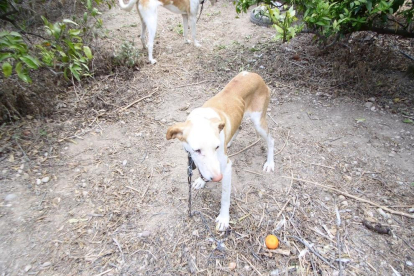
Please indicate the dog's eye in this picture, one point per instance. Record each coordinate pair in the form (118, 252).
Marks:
(198, 151)
(217, 147)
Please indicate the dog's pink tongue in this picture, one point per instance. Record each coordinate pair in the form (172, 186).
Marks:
(217, 178)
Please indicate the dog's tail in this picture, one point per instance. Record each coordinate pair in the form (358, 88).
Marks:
(129, 6)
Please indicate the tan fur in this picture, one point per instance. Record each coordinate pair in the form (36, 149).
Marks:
(182, 5)
(244, 93)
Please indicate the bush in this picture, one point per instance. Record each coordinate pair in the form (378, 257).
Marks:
(329, 18)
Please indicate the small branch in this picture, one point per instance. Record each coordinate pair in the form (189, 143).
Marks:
(286, 141)
(306, 244)
(254, 268)
(283, 208)
(135, 102)
(231, 155)
(120, 249)
(103, 273)
(191, 84)
(354, 197)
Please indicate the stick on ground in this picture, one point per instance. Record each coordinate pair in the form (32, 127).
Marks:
(354, 197)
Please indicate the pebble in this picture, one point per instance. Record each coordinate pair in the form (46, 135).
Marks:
(411, 210)
(368, 104)
(45, 179)
(124, 162)
(341, 198)
(144, 234)
(10, 197)
(344, 203)
(38, 181)
(274, 272)
(45, 264)
(27, 268)
(232, 265)
(409, 263)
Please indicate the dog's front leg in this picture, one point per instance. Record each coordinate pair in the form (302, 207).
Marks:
(224, 217)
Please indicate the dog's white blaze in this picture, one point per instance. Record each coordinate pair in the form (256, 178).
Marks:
(203, 137)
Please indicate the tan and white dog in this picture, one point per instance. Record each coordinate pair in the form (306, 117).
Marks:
(210, 129)
(147, 10)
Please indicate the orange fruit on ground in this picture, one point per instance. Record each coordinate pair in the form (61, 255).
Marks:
(272, 242)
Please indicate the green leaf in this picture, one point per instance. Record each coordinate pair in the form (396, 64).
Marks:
(87, 52)
(30, 61)
(408, 121)
(22, 73)
(4, 56)
(360, 120)
(69, 21)
(74, 32)
(89, 4)
(7, 69)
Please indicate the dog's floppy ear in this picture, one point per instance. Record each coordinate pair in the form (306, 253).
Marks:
(176, 131)
(221, 125)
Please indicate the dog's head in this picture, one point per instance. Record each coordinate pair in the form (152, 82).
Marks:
(201, 138)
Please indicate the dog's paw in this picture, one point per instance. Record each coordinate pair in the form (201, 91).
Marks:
(198, 183)
(222, 223)
(187, 41)
(197, 44)
(269, 166)
(153, 61)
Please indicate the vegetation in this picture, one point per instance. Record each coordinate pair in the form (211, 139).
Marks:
(330, 18)
(61, 46)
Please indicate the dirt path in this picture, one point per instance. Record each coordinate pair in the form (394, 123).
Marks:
(110, 197)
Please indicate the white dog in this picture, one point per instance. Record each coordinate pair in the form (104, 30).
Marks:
(147, 10)
(210, 129)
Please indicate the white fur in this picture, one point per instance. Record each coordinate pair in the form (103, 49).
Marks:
(148, 17)
(202, 137)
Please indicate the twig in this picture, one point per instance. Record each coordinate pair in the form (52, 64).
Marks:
(354, 197)
(254, 172)
(231, 155)
(135, 102)
(320, 165)
(281, 210)
(287, 138)
(255, 269)
(146, 190)
(338, 238)
(100, 274)
(306, 244)
(133, 189)
(120, 249)
(272, 118)
(191, 84)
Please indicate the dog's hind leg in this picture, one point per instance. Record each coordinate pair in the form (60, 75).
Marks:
(143, 28)
(149, 15)
(185, 28)
(260, 124)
